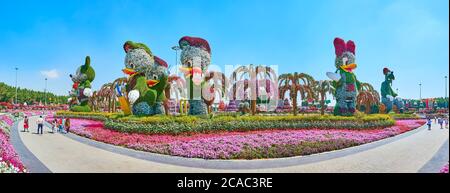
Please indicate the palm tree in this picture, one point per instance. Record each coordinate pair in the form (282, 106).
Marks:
(176, 85)
(106, 97)
(367, 97)
(296, 83)
(218, 86)
(322, 88)
(119, 81)
(252, 77)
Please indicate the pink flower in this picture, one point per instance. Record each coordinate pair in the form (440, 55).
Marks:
(226, 145)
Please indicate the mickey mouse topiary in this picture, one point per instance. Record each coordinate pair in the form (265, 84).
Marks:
(81, 89)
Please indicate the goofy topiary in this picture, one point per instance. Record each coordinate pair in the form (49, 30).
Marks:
(388, 96)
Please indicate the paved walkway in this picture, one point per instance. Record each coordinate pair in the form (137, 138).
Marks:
(410, 153)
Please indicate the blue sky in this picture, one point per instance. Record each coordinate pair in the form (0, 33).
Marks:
(408, 36)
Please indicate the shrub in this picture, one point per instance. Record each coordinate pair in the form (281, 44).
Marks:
(206, 124)
(191, 124)
(398, 116)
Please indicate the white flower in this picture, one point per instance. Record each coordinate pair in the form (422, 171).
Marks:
(133, 96)
(87, 92)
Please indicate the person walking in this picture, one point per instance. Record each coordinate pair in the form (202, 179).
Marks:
(429, 123)
(26, 124)
(40, 123)
(441, 122)
(59, 125)
(54, 125)
(67, 125)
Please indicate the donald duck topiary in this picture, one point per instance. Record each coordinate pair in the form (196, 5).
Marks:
(81, 89)
(147, 79)
(195, 59)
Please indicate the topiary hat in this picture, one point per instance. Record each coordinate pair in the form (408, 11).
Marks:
(160, 62)
(195, 42)
(386, 70)
(133, 45)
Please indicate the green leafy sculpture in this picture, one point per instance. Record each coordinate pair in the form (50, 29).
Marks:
(81, 89)
(344, 80)
(195, 59)
(147, 79)
(388, 96)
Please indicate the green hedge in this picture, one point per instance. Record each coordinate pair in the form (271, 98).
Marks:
(404, 116)
(193, 124)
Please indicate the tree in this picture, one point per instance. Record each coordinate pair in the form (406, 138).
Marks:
(218, 83)
(8, 94)
(252, 77)
(175, 85)
(296, 83)
(322, 88)
(367, 97)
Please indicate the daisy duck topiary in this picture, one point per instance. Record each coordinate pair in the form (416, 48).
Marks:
(388, 96)
(344, 80)
(145, 77)
(195, 59)
(81, 89)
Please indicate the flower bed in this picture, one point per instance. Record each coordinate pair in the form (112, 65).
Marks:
(193, 124)
(256, 144)
(445, 169)
(9, 160)
(404, 116)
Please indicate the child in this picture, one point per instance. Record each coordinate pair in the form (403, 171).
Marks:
(67, 125)
(25, 125)
(429, 123)
(60, 126)
(54, 122)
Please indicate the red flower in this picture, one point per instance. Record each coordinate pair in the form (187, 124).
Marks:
(350, 87)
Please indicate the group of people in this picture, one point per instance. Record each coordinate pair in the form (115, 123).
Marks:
(441, 121)
(62, 125)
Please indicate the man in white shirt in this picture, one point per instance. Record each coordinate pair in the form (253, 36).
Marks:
(40, 123)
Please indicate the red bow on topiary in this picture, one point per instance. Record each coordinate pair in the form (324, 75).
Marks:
(341, 47)
(75, 85)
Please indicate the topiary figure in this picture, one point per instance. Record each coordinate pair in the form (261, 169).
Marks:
(81, 89)
(139, 61)
(157, 80)
(195, 58)
(388, 96)
(344, 80)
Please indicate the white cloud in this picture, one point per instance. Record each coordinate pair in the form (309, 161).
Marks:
(51, 74)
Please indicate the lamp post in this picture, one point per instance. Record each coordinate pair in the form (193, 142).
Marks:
(17, 69)
(420, 95)
(420, 91)
(45, 93)
(446, 101)
(176, 48)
